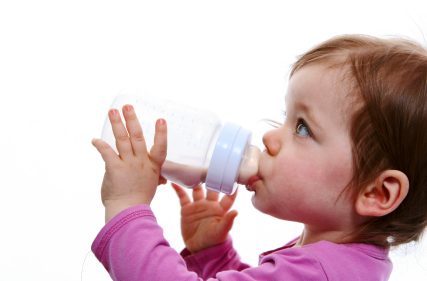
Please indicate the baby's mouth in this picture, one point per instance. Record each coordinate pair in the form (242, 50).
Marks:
(251, 181)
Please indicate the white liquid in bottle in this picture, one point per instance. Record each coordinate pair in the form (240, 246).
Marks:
(190, 176)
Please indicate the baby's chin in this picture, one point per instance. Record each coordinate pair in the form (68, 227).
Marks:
(259, 203)
(254, 200)
(262, 204)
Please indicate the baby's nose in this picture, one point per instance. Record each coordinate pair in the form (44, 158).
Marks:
(271, 142)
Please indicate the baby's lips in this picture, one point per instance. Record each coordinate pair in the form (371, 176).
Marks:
(251, 181)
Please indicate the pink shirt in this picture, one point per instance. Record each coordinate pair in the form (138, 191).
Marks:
(131, 247)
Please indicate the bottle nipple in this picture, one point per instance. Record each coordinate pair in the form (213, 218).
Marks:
(249, 165)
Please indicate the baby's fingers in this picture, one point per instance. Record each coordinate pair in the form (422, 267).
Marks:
(136, 135)
(228, 200)
(124, 146)
(198, 193)
(107, 152)
(212, 195)
(162, 181)
(226, 223)
(183, 197)
(159, 149)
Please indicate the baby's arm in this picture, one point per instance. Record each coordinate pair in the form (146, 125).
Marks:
(131, 246)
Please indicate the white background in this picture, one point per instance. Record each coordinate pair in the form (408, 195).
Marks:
(63, 62)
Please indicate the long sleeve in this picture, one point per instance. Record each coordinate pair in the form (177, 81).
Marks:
(131, 247)
(209, 262)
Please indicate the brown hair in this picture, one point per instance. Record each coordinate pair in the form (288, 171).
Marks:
(388, 126)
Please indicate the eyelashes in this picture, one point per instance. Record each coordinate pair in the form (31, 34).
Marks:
(301, 128)
(284, 114)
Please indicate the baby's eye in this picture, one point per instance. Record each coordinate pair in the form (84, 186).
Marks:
(302, 129)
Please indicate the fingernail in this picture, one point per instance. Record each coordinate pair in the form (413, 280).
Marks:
(114, 111)
(128, 107)
(161, 121)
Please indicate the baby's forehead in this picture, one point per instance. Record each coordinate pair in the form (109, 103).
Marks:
(324, 89)
(319, 81)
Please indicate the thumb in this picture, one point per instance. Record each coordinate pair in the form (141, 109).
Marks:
(158, 151)
(227, 222)
(107, 152)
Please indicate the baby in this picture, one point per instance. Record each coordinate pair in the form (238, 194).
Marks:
(349, 162)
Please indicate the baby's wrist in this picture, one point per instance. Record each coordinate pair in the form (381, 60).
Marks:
(111, 210)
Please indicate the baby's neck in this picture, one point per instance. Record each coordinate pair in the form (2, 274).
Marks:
(310, 235)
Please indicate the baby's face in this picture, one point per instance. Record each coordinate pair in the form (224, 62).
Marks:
(308, 162)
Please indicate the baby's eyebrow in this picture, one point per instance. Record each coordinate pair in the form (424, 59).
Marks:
(309, 112)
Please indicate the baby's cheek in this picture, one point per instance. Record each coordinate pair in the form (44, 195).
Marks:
(307, 171)
(295, 176)
(295, 190)
(335, 169)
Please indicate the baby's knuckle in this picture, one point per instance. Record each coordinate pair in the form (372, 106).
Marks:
(138, 164)
(162, 150)
(132, 116)
(199, 208)
(138, 137)
(113, 167)
(123, 138)
(155, 170)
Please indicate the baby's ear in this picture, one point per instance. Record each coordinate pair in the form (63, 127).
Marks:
(384, 195)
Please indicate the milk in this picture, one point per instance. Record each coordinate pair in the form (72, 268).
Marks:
(192, 176)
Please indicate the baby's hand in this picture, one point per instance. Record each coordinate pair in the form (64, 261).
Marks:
(205, 222)
(131, 178)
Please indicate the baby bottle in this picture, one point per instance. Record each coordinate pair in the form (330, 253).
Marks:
(200, 149)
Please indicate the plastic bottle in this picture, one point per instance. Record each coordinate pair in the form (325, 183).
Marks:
(200, 149)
